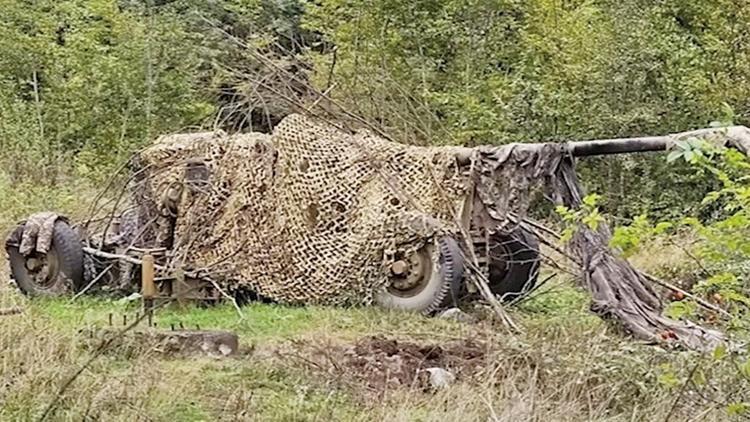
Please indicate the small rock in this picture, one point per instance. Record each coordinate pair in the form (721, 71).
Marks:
(225, 350)
(456, 314)
(202, 342)
(440, 378)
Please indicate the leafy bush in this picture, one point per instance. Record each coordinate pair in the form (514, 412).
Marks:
(498, 71)
(721, 249)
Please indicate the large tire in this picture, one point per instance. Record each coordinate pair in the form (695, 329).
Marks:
(438, 291)
(63, 261)
(513, 263)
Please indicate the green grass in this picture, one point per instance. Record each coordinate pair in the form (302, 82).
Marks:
(569, 363)
(259, 322)
(566, 365)
(202, 388)
(21, 199)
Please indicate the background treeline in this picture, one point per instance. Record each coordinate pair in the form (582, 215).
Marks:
(83, 83)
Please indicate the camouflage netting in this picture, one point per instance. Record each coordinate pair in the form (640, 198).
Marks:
(37, 233)
(303, 216)
(308, 214)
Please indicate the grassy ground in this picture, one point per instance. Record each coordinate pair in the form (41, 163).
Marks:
(567, 365)
(296, 364)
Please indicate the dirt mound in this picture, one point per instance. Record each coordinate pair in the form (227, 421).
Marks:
(379, 364)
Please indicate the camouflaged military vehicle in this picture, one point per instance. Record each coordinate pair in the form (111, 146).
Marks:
(308, 215)
(313, 214)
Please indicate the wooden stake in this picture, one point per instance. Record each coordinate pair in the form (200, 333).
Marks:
(148, 288)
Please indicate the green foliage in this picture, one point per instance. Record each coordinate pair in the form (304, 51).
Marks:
(680, 309)
(559, 301)
(87, 81)
(84, 83)
(691, 150)
(587, 214)
(668, 376)
(20, 199)
(627, 239)
(721, 248)
(497, 71)
(738, 409)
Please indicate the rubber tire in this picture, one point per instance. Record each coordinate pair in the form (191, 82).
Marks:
(521, 274)
(441, 291)
(66, 244)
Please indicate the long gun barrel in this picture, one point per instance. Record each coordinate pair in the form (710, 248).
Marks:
(619, 146)
(734, 136)
(737, 137)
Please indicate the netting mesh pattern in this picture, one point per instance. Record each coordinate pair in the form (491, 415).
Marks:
(303, 216)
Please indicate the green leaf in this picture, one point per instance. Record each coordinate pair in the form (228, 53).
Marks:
(699, 378)
(737, 409)
(694, 143)
(668, 378)
(710, 198)
(679, 310)
(674, 155)
(562, 210)
(727, 114)
(566, 235)
(662, 227)
(745, 369)
(591, 199)
(592, 220)
(720, 351)
(689, 155)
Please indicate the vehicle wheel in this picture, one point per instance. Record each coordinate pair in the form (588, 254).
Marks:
(513, 263)
(54, 273)
(416, 283)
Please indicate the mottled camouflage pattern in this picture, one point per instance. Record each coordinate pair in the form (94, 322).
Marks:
(37, 233)
(303, 216)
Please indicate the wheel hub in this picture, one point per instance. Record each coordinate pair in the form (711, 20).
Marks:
(399, 267)
(411, 273)
(42, 269)
(34, 264)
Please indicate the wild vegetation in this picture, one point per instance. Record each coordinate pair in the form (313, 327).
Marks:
(567, 366)
(83, 84)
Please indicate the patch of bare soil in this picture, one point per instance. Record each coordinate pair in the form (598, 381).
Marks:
(377, 364)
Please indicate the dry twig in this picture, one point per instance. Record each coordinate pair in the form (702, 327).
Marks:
(11, 311)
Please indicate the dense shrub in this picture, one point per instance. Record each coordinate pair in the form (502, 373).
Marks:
(83, 83)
